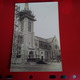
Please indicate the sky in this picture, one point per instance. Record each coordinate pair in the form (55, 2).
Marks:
(46, 15)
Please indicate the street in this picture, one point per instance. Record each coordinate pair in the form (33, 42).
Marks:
(36, 67)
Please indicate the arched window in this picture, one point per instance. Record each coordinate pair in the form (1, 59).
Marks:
(20, 39)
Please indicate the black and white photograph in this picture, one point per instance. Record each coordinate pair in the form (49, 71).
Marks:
(36, 38)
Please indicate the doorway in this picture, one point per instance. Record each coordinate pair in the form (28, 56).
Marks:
(41, 57)
(31, 55)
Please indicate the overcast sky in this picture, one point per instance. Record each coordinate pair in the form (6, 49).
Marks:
(46, 14)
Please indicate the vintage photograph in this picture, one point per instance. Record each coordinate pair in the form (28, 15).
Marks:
(36, 38)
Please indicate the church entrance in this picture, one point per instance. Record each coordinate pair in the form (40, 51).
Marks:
(31, 55)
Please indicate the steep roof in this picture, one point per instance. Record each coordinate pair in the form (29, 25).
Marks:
(40, 39)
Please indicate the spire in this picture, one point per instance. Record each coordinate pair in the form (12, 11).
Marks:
(26, 7)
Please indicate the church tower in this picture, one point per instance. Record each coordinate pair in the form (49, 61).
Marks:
(26, 26)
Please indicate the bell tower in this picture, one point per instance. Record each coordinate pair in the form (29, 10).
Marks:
(26, 20)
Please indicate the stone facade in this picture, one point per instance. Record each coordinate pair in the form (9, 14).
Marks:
(27, 46)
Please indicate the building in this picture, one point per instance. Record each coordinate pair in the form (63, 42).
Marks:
(27, 46)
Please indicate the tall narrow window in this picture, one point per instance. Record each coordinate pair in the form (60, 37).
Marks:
(22, 25)
(29, 26)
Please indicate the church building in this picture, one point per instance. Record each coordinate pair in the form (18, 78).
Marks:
(28, 47)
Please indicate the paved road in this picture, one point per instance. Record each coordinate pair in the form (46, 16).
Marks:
(36, 67)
